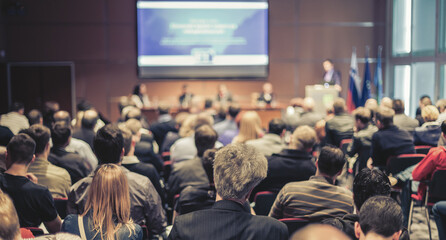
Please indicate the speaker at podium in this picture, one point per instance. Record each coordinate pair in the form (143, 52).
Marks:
(323, 96)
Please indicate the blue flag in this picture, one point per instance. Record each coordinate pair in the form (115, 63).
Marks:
(354, 92)
(378, 81)
(366, 83)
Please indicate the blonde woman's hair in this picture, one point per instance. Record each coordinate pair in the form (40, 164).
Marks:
(109, 199)
(187, 128)
(9, 221)
(430, 113)
(250, 127)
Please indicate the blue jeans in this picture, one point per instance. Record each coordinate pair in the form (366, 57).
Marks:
(439, 211)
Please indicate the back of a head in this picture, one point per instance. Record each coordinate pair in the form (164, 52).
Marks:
(443, 127)
(398, 106)
(386, 102)
(34, 117)
(430, 113)
(362, 114)
(108, 198)
(127, 137)
(163, 109)
(133, 125)
(133, 113)
(319, 232)
(89, 119)
(205, 138)
(60, 133)
(308, 104)
(331, 160)
(441, 105)
(208, 163)
(369, 183)
(276, 126)
(83, 105)
(339, 106)
(187, 128)
(41, 136)
(180, 117)
(250, 125)
(108, 144)
(233, 110)
(62, 116)
(208, 103)
(21, 149)
(16, 107)
(381, 215)
(203, 118)
(238, 168)
(385, 116)
(303, 138)
(9, 221)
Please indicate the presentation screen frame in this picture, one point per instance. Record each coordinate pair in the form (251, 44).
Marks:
(206, 71)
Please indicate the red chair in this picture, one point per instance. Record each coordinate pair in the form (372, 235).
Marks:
(344, 144)
(435, 192)
(36, 231)
(61, 206)
(294, 224)
(263, 202)
(165, 156)
(422, 149)
(401, 162)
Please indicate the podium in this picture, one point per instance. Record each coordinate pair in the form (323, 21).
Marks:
(323, 96)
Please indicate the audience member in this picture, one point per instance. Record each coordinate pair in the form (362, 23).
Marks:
(14, 119)
(229, 123)
(340, 126)
(250, 127)
(362, 138)
(76, 166)
(401, 120)
(107, 209)
(380, 218)
(439, 212)
(266, 97)
(291, 164)
(184, 148)
(33, 202)
(76, 145)
(172, 136)
(132, 163)
(9, 221)
(308, 117)
(146, 207)
(49, 109)
(191, 172)
(140, 97)
(441, 105)
(372, 105)
(86, 132)
(442, 140)
(35, 117)
(317, 198)
(425, 100)
(429, 133)
(163, 125)
(56, 179)
(319, 232)
(5, 135)
(368, 183)
(238, 168)
(389, 140)
(386, 102)
(83, 106)
(271, 142)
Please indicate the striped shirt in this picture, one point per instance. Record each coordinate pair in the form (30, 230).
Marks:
(314, 199)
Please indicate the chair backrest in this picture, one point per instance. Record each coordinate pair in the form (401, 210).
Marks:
(36, 231)
(294, 224)
(437, 186)
(145, 232)
(403, 161)
(422, 149)
(165, 156)
(344, 144)
(263, 202)
(167, 170)
(61, 206)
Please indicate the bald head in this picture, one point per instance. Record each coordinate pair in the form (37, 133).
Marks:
(319, 232)
(89, 119)
(386, 102)
(308, 105)
(62, 116)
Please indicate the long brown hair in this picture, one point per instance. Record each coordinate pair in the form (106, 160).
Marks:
(109, 200)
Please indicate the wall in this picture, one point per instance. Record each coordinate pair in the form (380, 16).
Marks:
(100, 38)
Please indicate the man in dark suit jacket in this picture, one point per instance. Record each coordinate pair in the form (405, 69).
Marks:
(238, 168)
(75, 165)
(291, 164)
(340, 126)
(164, 125)
(86, 132)
(389, 140)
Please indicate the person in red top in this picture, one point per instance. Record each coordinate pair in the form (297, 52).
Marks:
(434, 160)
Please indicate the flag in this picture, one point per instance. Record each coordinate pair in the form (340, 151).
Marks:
(353, 95)
(378, 81)
(367, 79)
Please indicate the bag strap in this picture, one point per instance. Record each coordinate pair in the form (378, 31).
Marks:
(80, 222)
